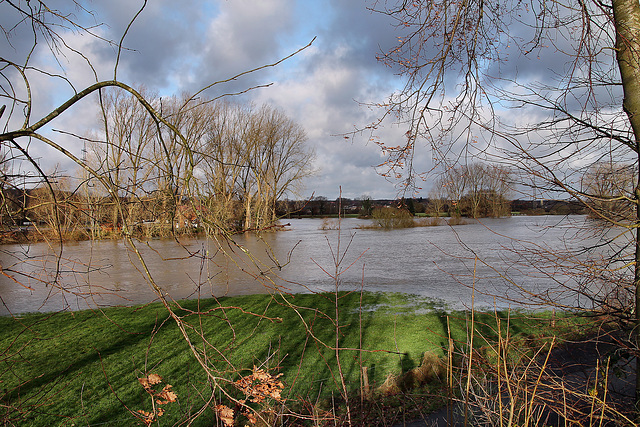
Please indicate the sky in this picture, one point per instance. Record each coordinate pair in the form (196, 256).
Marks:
(175, 47)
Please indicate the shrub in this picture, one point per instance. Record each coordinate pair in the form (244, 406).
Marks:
(388, 217)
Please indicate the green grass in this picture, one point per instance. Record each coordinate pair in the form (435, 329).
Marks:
(81, 368)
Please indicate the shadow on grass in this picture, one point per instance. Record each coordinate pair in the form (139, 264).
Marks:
(49, 354)
(290, 334)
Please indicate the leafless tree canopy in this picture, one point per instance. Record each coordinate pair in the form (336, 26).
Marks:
(476, 190)
(538, 80)
(550, 89)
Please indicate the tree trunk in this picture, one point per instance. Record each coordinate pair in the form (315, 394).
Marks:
(636, 282)
(627, 23)
(247, 212)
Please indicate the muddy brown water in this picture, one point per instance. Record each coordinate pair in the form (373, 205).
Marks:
(493, 260)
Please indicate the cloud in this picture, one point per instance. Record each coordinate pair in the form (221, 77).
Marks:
(242, 36)
(322, 95)
(161, 40)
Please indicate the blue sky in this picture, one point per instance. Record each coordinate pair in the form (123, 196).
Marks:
(182, 46)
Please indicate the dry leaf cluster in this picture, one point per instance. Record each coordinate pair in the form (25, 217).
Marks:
(162, 397)
(225, 414)
(257, 386)
(260, 385)
(149, 417)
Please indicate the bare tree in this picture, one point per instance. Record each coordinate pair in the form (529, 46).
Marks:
(56, 211)
(475, 190)
(574, 101)
(121, 157)
(253, 157)
(454, 182)
(498, 182)
(475, 176)
(281, 161)
(609, 188)
(437, 200)
(12, 197)
(222, 165)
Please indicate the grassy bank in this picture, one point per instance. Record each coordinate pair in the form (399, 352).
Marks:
(83, 367)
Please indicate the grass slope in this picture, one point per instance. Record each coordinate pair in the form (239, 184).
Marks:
(83, 367)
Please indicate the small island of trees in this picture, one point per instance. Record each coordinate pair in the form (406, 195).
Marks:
(237, 164)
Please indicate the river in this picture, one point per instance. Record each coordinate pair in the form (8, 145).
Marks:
(494, 260)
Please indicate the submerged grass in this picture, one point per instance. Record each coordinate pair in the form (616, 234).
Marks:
(83, 367)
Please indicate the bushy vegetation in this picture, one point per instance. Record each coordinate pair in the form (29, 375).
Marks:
(391, 217)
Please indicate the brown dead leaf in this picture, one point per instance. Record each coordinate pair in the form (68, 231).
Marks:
(260, 384)
(225, 414)
(162, 398)
(147, 417)
(149, 380)
(154, 379)
(166, 395)
(251, 417)
(144, 382)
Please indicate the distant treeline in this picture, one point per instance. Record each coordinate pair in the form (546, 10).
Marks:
(321, 206)
(75, 216)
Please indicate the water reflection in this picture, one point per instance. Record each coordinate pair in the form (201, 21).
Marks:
(438, 262)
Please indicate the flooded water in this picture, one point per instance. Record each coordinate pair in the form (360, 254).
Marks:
(498, 258)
